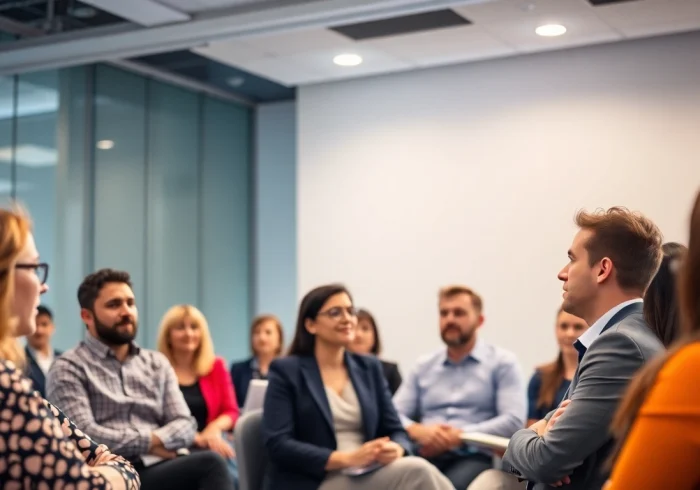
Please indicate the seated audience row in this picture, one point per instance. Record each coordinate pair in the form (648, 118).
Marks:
(329, 420)
(329, 412)
(128, 397)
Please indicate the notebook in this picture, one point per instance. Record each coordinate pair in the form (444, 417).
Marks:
(255, 396)
(485, 440)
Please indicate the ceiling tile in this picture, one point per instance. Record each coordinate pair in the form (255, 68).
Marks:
(582, 28)
(316, 66)
(652, 17)
(443, 46)
(504, 10)
(296, 42)
(231, 52)
(193, 6)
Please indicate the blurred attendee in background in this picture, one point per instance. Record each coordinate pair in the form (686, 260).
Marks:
(551, 381)
(205, 383)
(328, 411)
(660, 299)
(266, 342)
(40, 354)
(367, 341)
(658, 421)
(467, 386)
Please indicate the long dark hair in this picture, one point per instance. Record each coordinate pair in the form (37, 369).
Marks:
(304, 341)
(661, 298)
(552, 376)
(363, 314)
(689, 310)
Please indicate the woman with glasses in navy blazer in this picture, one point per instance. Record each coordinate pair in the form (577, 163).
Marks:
(328, 419)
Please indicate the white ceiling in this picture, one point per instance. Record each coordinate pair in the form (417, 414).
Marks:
(500, 28)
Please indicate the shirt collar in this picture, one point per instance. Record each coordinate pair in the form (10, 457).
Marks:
(595, 330)
(36, 355)
(103, 350)
(478, 354)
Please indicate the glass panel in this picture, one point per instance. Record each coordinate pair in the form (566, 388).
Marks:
(73, 238)
(225, 229)
(120, 179)
(173, 190)
(7, 111)
(36, 156)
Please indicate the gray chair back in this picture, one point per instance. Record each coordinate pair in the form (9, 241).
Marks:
(250, 451)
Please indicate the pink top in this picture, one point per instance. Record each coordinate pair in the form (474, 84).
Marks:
(217, 390)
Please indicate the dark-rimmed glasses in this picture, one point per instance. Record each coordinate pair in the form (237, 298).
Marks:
(41, 270)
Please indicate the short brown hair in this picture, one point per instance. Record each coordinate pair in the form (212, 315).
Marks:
(259, 320)
(456, 289)
(630, 240)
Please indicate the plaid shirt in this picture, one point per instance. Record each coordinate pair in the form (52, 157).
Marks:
(121, 404)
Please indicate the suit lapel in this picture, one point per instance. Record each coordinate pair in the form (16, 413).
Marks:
(312, 376)
(616, 318)
(637, 307)
(360, 379)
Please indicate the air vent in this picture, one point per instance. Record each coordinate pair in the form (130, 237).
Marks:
(402, 25)
(598, 3)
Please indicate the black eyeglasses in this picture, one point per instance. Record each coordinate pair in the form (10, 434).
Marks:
(337, 312)
(41, 270)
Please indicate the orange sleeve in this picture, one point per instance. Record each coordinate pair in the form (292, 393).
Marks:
(663, 447)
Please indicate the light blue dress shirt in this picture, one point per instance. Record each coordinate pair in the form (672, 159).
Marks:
(484, 392)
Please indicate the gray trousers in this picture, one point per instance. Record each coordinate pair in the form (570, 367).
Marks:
(408, 473)
(496, 480)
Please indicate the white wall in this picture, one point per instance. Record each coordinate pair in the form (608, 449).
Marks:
(473, 173)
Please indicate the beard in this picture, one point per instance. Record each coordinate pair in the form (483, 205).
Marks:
(462, 339)
(113, 336)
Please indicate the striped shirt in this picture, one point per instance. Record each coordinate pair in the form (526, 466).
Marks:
(121, 403)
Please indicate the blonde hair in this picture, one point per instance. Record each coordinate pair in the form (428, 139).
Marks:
(204, 357)
(15, 227)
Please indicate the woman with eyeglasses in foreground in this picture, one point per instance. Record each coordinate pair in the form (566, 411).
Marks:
(41, 448)
(328, 419)
(658, 422)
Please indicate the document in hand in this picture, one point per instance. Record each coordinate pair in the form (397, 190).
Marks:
(485, 440)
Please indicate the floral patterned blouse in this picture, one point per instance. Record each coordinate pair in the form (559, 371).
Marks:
(41, 448)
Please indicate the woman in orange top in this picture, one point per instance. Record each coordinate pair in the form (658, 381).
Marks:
(658, 422)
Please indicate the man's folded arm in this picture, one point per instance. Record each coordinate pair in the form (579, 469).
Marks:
(583, 428)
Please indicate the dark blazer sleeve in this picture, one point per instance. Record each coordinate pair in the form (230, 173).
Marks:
(240, 377)
(389, 421)
(608, 366)
(392, 375)
(278, 424)
(533, 393)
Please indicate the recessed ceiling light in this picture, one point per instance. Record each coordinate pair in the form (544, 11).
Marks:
(105, 144)
(550, 30)
(347, 59)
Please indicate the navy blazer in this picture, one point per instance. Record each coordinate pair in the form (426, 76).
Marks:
(297, 422)
(34, 372)
(241, 374)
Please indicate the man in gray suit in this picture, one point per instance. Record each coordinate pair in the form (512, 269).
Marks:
(612, 260)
